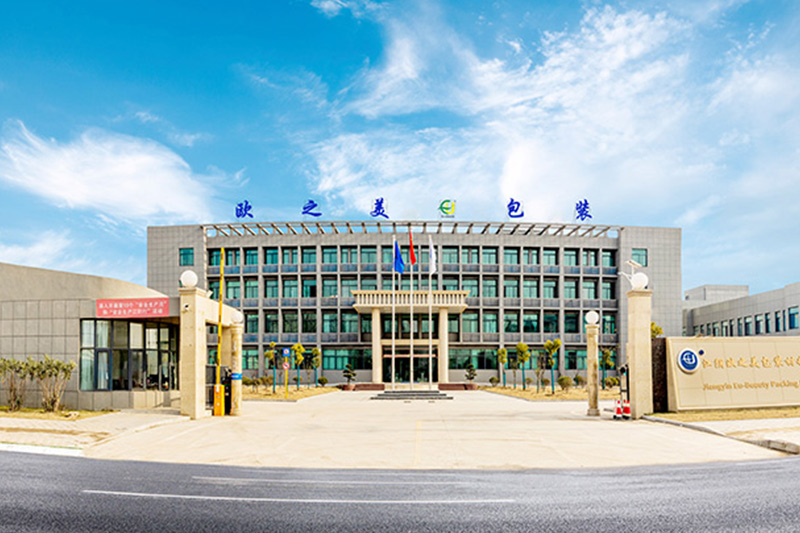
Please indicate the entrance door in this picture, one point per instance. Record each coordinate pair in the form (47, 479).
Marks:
(402, 369)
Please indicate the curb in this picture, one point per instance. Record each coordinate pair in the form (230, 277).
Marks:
(179, 418)
(777, 445)
(41, 450)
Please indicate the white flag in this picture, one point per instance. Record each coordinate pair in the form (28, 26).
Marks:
(432, 253)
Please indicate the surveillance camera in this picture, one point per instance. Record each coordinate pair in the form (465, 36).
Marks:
(185, 307)
(633, 263)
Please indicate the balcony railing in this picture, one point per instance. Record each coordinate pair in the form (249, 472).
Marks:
(365, 301)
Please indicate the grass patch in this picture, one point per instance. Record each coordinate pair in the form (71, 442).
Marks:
(732, 414)
(265, 393)
(571, 394)
(40, 414)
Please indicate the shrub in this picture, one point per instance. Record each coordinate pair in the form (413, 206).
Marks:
(494, 380)
(265, 380)
(297, 379)
(545, 382)
(52, 376)
(610, 381)
(529, 381)
(14, 374)
(322, 380)
(349, 374)
(580, 381)
(470, 372)
(565, 382)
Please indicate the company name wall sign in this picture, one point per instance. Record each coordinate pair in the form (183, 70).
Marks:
(717, 373)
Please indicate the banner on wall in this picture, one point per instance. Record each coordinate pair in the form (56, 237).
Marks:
(133, 308)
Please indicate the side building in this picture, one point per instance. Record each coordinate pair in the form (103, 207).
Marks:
(329, 285)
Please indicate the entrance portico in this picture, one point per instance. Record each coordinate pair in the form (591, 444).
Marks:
(441, 303)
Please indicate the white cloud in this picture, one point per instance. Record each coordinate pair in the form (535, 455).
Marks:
(47, 250)
(358, 8)
(126, 178)
(174, 135)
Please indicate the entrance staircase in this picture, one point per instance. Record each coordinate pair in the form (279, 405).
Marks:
(408, 395)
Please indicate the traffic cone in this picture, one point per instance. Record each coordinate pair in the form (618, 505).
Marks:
(617, 409)
(626, 410)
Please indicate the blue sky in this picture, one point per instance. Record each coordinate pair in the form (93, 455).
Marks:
(119, 115)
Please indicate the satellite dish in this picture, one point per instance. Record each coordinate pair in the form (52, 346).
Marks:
(189, 279)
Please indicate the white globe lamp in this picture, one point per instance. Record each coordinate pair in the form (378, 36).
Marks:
(188, 279)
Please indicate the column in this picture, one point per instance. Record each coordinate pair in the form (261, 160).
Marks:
(236, 368)
(192, 353)
(639, 355)
(377, 355)
(592, 332)
(444, 358)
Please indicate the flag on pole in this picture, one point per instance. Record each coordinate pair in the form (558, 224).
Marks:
(432, 253)
(412, 258)
(399, 265)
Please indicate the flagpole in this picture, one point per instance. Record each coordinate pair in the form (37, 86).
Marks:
(411, 321)
(394, 288)
(431, 260)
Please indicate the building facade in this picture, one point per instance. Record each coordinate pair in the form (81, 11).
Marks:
(729, 311)
(329, 285)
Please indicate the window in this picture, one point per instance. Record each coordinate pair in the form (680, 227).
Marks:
(510, 256)
(449, 283)
(570, 289)
(759, 323)
(550, 288)
(777, 321)
(571, 322)
(251, 256)
(490, 287)
(271, 322)
(329, 255)
(251, 322)
(251, 288)
(349, 255)
(309, 256)
(739, 329)
(511, 322)
(640, 256)
(213, 286)
(550, 256)
(349, 285)
(290, 288)
(233, 289)
(609, 324)
(530, 322)
(249, 358)
(329, 286)
(793, 322)
(571, 257)
(290, 321)
(214, 257)
(766, 323)
(186, 257)
(270, 256)
(530, 256)
(366, 323)
(550, 322)
(608, 290)
(575, 359)
(369, 284)
(511, 288)
(469, 322)
(469, 255)
(452, 324)
(369, 255)
(589, 290)
(471, 285)
(387, 255)
(490, 256)
(330, 322)
(232, 257)
(309, 287)
(289, 256)
(309, 321)
(530, 288)
(609, 258)
(449, 255)
(489, 322)
(270, 287)
(590, 258)
(349, 322)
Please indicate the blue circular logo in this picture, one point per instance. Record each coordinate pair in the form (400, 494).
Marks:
(688, 361)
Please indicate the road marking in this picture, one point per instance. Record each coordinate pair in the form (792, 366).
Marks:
(288, 500)
(234, 480)
(43, 450)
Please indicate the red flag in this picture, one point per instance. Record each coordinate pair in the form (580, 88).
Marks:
(412, 256)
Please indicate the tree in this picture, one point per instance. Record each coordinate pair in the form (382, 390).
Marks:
(52, 376)
(14, 374)
(470, 372)
(298, 350)
(514, 366)
(606, 361)
(502, 357)
(316, 361)
(655, 330)
(348, 373)
(270, 355)
(551, 347)
(523, 355)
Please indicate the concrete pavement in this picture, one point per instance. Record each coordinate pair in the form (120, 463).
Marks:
(476, 430)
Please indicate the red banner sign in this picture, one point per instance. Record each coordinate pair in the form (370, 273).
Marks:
(133, 308)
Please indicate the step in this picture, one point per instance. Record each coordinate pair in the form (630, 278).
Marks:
(412, 395)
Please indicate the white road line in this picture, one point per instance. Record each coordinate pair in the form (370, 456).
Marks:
(288, 500)
(246, 481)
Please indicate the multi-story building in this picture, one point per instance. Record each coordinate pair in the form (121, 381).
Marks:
(729, 311)
(329, 285)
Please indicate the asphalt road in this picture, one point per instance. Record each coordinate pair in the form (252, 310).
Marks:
(45, 493)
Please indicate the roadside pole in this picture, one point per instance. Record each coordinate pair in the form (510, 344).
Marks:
(219, 390)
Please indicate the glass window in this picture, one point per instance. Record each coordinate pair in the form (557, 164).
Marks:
(369, 255)
(490, 322)
(289, 256)
(609, 258)
(530, 287)
(270, 287)
(640, 256)
(575, 359)
(251, 256)
(608, 290)
(571, 322)
(766, 323)
(290, 321)
(349, 322)
(530, 322)
(530, 256)
(387, 255)
(329, 287)
(609, 324)
(511, 322)
(550, 322)
(213, 286)
(329, 255)
(309, 256)
(251, 322)
(233, 289)
(232, 257)
(214, 257)
(450, 283)
(270, 256)
(550, 288)
(249, 358)
(449, 255)
(87, 369)
(369, 284)
(759, 324)
(87, 333)
(793, 319)
(186, 257)
(309, 287)
(330, 322)
(251, 288)
(510, 256)
(489, 256)
(510, 287)
(471, 285)
(271, 322)
(571, 257)
(469, 321)
(469, 255)
(309, 321)
(550, 256)
(589, 289)
(290, 288)
(590, 258)
(489, 287)
(349, 255)
(349, 285)
(452, 324)
(777, 321)
(571, 289)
